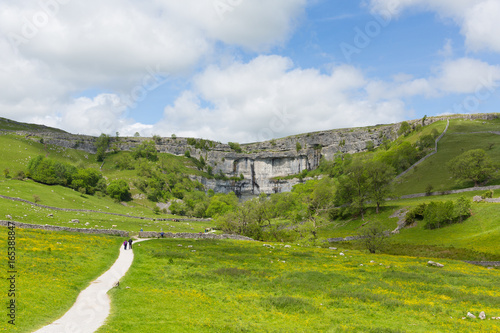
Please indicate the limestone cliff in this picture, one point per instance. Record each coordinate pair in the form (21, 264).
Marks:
(260, 163)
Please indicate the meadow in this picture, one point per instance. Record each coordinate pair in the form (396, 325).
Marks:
(53, 267)
(229, 286)
(62, 197)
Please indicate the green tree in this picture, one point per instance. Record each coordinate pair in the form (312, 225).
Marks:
(472, 165)
(146, 150)
(404, 129)
(101, 144)
(298, 146)
(380, 178)
(353, 188)
(119, 190)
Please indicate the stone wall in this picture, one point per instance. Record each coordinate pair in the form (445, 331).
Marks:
(152, 234)
(101, 212)
(57, 228)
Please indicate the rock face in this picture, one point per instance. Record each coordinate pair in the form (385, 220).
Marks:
(261, 164)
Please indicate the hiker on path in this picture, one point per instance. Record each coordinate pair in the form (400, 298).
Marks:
(125, 245)
(130, 243)
(162, 234)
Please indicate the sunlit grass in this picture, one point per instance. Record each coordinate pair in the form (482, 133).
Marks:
(228, 286)
(53, 267)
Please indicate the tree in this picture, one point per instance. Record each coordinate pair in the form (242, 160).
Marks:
(6, 172)
(423, 120)
(137, 134)
(320, 202)
(472, 165)
(102, 144)
(353, 189)
(404, 129)
(380, 176)
(146, 150)
(119, 190)
(373, 237)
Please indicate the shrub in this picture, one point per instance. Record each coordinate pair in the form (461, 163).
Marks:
(36, 198)
(487, 194)
(298, 146)
(370, 146)
(428, 189)
(119, 190)
(146, 150)
(235, 146)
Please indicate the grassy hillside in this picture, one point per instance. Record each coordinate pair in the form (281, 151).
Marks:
(228, 286)
(474, 239)
(462, 135)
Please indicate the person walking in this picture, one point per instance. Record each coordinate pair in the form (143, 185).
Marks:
(130, 243)
(125, 245)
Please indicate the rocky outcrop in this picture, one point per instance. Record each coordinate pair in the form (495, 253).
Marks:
(261, 164)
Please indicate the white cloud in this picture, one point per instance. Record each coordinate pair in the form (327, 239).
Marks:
(461, 76)
(269, 97)
(53, 50)
(477, 18)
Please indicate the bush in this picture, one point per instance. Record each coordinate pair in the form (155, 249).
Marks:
(487, 194)
(235, 146)
(146, 150)
(119, 190)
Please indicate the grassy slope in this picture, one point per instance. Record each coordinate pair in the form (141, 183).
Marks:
(53, 268)
(228, 286)
(458, 139)
(16, 152)
(479, 234)
(58, 196)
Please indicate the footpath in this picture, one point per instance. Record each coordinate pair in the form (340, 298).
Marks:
(93, 305)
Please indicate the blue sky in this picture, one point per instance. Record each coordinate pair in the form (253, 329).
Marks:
(242, 70)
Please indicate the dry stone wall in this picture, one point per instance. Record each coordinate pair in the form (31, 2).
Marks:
(152, 234)
(57, 228)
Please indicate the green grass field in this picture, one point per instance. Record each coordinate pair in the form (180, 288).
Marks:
(229, 286)
(53, 267)
(62, 197)
(460, 138)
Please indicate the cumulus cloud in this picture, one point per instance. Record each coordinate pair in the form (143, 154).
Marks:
(54, 50)
(270, 97)
(460, 76)
(477, 18)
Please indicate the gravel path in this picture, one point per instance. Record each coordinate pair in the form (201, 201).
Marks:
(93, 304)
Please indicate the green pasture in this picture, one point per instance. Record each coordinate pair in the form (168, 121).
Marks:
(231, 286)
(460, 137)
(53, 267)
(62, 197)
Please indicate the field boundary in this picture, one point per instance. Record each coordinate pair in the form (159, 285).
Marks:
(101, 212)
(21, 225)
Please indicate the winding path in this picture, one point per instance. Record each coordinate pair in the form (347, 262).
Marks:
(93, 304)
